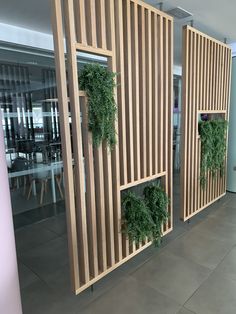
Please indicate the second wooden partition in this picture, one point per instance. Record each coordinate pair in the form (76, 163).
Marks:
(206, 89)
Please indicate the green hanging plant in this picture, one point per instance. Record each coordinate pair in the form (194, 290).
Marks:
(137, 222)
(157, 201)
(99, 84)
(144, 218)
(213, 148)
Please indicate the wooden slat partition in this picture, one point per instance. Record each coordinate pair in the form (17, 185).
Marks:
(137, 40)
(205, 89)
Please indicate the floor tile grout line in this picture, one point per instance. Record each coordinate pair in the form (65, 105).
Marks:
(210, 274)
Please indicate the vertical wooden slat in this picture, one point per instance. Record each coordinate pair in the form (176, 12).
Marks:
(166, 99)
(121, 106)
(91, 22)
(184, 128)
(217, 76)
(214, 77)
(193, 105)
(222, 78)
(100, 202)
(190, 125)
(225, 79)
(160, 88)
(108, 205)
(148, 21)
(101, 24)
(129, 98)
(170, 122)
(197, 103)
(79, 7)
(66, 142)
(115, 151)
(135, 88)
(90, 191)
(142, 89)
(208, 89)
(205, 78)
(155, 93)
(120, 91)
(77, 140)
(200, 60)
(107, 163)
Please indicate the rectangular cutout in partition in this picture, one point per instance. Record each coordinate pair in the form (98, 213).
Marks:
(205, 91)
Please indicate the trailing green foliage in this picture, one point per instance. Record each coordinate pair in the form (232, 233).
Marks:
(99, 83)
(137, 222)
(157, 202)
(213, 147)
(144, 218)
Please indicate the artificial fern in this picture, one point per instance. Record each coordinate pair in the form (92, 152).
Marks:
(144, 218)
(213, 147)
(99, 83)
(137, 222)
(157, 201)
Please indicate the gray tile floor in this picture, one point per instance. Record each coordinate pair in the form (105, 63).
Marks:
(194, 271)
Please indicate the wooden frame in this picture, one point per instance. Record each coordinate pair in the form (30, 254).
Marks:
(205, 89)
(143, 58)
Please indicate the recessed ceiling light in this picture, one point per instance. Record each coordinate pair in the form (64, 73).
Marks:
(179, 13)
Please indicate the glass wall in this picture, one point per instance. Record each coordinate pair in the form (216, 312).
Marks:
(30, 119)
(177, 121)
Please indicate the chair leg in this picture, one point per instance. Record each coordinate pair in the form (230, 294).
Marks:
(42, 192)
(30, 190)
(25, 183)
(58, 180)
(46, 185)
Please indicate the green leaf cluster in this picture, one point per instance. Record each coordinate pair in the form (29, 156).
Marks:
(157, 201)
(213, 147)
(99, 83)
(144, 217)
(137, 222)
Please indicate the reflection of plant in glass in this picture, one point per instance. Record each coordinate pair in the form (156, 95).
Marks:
(213, 147)
(99, 83)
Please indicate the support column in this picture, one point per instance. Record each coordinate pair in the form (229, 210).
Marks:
(10, 301)
(231, 162)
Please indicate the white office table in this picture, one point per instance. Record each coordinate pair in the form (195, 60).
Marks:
(40, 171)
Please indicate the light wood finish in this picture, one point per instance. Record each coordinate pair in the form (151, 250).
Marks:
(137, 40)
(66, 143)
(77, 141)
(90, 190)
(205, 90)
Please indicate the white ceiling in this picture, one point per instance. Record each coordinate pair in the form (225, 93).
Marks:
(214, 17)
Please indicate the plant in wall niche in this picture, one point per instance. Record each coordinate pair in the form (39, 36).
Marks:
(144, 218)
(137, 222)
(157, 201)
(99, 83)
(213, 147)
